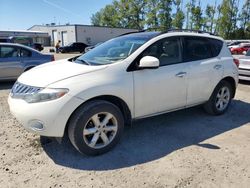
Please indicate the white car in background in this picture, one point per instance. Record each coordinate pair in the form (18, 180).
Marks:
(244, 66)
(130, 77)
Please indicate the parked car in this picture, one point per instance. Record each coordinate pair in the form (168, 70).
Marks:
(243, 47)
(73, 47)
(16, 59)
(92, 47)
(92, 97)
(235, 44)
(244, 66)
(38, 46)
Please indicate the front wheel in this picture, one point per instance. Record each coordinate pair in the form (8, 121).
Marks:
(96, 127)
(220, 99)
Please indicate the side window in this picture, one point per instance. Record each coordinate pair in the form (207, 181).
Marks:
(197, 48)
(216, 46)
(25, 53)
(167, 50)
(8, 51)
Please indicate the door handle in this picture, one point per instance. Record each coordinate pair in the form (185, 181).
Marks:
(217, 67)
(181, 74)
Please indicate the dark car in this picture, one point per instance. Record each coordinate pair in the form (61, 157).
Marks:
(73, 47)
(38, 46)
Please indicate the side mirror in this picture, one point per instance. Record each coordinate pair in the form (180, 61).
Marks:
(149, 62)
(244, 52)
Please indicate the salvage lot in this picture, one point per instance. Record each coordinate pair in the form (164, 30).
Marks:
(187, 148)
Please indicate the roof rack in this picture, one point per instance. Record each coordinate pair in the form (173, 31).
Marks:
(170, 30)
(139, 31)
(189, 30)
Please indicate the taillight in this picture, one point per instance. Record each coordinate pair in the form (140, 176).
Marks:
(52, 58)
(236, 62)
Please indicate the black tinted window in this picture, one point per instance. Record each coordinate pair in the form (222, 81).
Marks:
(216, 46)
(167, 50)
(197, 48)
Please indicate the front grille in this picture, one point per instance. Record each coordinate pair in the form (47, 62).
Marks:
(19, 90)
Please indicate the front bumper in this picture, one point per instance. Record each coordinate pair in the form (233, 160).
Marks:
(44, 118)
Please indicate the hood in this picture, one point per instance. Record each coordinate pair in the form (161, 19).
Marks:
(51, 72)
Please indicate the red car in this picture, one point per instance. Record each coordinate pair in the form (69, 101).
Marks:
(243, 47)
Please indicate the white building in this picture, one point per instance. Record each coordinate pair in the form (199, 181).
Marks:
(79, 33)
(36, 36)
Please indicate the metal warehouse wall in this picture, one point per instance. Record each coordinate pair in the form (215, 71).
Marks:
(80, 33)
(37, 36)
(94, 34)
(65, 33)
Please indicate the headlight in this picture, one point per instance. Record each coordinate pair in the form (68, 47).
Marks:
(46, 94)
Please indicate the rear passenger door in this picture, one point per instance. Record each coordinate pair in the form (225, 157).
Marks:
(204, 67)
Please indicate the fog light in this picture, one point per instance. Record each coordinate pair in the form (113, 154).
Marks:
(36, 125)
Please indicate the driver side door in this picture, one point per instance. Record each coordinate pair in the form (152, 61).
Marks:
(164, 88)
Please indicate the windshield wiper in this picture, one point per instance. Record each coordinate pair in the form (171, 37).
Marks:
(83, 61)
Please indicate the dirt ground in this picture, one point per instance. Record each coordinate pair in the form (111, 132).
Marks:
(187, 148)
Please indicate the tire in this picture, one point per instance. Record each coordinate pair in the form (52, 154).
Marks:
(212, 106)
(86, 132)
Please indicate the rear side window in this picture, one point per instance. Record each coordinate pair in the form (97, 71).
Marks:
(216, 46)
(24, 53)
(197, 48)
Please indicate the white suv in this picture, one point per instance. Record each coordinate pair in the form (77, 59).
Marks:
(91, 97)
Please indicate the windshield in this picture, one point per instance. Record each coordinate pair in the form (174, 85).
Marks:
(113, 50)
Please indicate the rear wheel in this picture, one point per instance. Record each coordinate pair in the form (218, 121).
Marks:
(96, 127)
(220, 99)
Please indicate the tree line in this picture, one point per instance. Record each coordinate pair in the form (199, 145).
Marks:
(223, 17)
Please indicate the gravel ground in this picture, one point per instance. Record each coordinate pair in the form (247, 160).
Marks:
(187, 148)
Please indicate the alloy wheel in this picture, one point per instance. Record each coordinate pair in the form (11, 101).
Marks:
(222, 98)
(100, 130)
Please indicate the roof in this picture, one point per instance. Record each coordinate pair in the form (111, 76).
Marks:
(16, 45)
(173, 33)
(65, 25)
(23, 31)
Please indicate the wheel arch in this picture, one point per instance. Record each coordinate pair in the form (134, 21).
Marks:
(232, 82)
(120, 103)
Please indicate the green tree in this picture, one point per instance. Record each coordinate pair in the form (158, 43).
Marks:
(103, 18)
(178, 17)
(225, 24)
(152, 20)
(96, 19)
(164, 14)
(245, 15)
(137, 13)
(196, 16)
(190, 7)
(209, 17)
